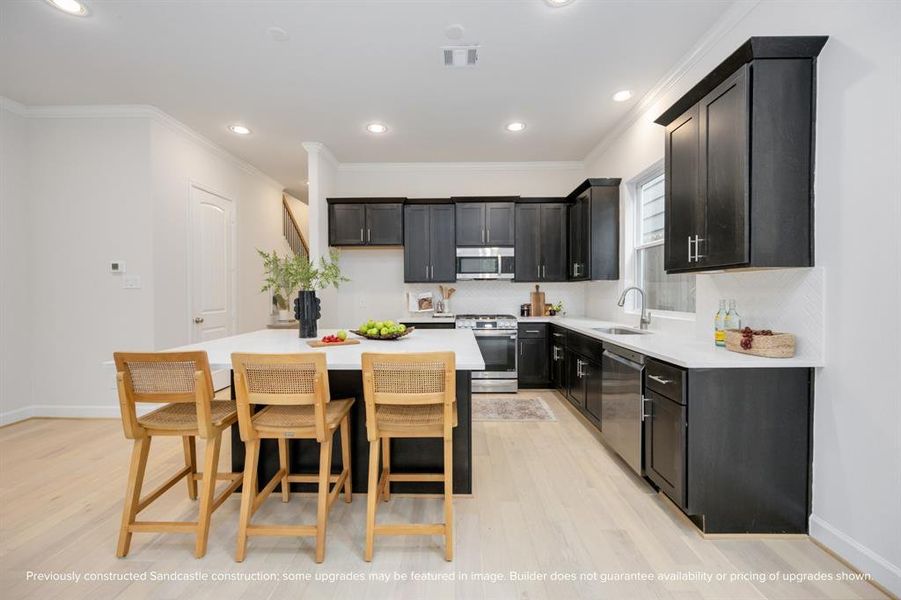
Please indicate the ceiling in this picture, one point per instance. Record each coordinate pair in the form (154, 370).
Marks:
(345, 64)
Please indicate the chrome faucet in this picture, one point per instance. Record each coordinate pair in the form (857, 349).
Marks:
(645, 316)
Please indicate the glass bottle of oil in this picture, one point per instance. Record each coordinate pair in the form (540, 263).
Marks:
(733, 319)
(719, 325)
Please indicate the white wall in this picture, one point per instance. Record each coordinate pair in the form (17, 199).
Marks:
(179, 160)
(100, 184)
(853, 294)
(373, 291)
(16, 300)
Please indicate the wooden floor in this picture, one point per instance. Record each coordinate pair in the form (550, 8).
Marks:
(548, 498)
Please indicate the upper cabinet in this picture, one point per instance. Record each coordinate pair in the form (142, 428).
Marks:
(429, 243)
(594, 230)
(366, 222)
(485, 223)
(541, 235)
(739, 161)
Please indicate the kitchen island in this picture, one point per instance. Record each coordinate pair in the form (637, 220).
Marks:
(345, 381)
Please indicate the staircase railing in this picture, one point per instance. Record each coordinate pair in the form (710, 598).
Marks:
(292, 231)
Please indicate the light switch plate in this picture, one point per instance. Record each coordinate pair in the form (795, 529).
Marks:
(131, 282)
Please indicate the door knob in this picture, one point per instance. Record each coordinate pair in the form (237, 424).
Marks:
(198, 320)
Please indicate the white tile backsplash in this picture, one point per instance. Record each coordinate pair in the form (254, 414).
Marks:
(504, 297)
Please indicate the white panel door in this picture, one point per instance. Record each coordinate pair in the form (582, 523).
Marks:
(212, 272)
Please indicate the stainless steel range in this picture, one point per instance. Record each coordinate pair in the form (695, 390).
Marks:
(496, 337)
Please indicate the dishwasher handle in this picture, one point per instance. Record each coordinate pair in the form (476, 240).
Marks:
(622, 360)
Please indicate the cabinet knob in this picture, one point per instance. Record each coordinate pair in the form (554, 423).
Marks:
(198, 320)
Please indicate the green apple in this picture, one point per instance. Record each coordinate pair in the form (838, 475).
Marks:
(373, 332)
(401, 328)
(385, 331)
(342, 335)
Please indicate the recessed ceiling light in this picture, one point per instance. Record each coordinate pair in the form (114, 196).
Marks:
(622, 95)
(516, 126)
(376, 128)
(239, 129)
(558, 3)
(71, 7)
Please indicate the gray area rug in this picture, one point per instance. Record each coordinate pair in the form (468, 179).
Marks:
(499, 408)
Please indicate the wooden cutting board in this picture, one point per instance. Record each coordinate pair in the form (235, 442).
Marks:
(537, 300)
(320, 343)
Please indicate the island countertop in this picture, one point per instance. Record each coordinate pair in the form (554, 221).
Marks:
(343, 358)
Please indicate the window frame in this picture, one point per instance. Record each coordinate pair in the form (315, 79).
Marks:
(636, 245)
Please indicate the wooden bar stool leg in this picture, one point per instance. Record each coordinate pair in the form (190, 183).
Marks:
(248, 495)
(371, 498)
(191, 461)
(136, 471)
(448, 500)
(325, 471)
(283, 465)
(210, 464)
(386, 468)
(345, 457)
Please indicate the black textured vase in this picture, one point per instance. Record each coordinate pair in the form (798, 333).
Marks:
(306, 311)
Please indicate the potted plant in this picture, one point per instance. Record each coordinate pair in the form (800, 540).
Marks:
(284, 276)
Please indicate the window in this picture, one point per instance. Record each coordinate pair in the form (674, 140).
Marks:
(673, 293)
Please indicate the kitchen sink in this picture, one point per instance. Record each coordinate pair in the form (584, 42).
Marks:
(619, 331)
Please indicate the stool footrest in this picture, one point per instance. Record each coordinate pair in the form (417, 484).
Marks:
(281, 530)
(410, 529)
(416, 477)
(163, 526)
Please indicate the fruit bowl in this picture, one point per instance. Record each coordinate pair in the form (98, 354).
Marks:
(390, 336)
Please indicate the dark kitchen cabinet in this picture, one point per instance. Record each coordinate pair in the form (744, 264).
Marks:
(541, 232)
(664, 443)
(558, 359)
(347, 225)
(533, 367)
(594, 231)
(429, 252)
(366, 222)
(575, 384)
(739, 161)
(592, 374)
(485, 223)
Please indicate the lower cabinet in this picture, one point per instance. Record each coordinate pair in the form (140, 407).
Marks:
(557, 359)
(664, 445)
(533, 366)
(582, 374)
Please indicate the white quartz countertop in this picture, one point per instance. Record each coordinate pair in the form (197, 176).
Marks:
(687, 352)
(425, 319)
(347, 358)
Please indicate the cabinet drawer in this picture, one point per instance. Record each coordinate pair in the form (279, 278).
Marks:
(588, 347)
(532, 330)
(666, 380)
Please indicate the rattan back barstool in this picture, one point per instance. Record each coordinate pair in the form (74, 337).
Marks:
(408, 396)
(183, 382)
(294, 392)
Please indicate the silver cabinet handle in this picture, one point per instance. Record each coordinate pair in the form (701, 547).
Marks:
(532, 331)
(489, 234)
(698, 255)
(645, 415)
(368, 235)
(483, 235)
(659, 379)
(521, 346)
(361, 234)
(432, 271)
(198, 320)
(689, 248)
(427, 271)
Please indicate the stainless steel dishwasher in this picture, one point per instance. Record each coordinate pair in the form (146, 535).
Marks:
(621, 403)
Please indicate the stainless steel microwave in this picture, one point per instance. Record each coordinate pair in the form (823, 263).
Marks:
(485, 263)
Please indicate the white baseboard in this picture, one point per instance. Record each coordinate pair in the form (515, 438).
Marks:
(83, 411)
(885, 573)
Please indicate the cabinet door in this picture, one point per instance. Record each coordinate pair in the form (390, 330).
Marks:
(604, 239)
(553, 242)
(575, 388)
(528, 242)
(416, 244)
(500, 224)
(346, 225)
(665, 445)
(592, 374)
(579, 232)
(385, 224)
(442, 248)
(470, 223)
(532, 367)
(724, 172)
(683, 209)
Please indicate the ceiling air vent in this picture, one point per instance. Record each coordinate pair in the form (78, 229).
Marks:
(461, 56)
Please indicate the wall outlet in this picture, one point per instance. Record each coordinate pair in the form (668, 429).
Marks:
(131, 282)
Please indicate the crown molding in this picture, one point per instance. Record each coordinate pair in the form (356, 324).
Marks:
(136, 111)
(13, 106)
(726, 23)
(322, 150)
(461, 166)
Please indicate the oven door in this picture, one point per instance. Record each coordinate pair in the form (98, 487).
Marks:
(478, 267)
(499, 353)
